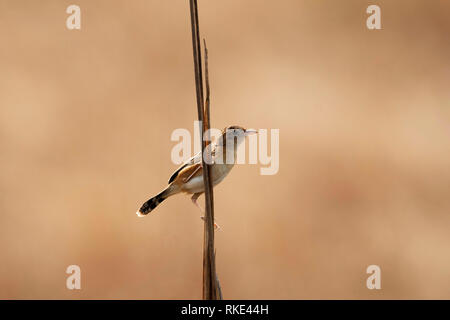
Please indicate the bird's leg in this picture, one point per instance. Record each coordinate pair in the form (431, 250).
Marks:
(194, 201)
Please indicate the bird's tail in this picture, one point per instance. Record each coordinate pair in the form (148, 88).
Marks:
(152, 203)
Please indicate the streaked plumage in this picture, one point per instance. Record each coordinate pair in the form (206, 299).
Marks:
(188, 178)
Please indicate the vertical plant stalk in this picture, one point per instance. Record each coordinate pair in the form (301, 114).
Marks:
(211, 287)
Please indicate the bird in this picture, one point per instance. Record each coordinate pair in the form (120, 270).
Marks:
(188, 178)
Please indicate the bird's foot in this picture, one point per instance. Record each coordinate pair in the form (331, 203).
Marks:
(216, 226)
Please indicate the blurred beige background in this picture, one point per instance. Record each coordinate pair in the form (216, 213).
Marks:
(364, 119)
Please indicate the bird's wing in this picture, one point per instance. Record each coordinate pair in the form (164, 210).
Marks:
(189, 172)
(197, 159)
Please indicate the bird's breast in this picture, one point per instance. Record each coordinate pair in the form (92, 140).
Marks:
(218, 173)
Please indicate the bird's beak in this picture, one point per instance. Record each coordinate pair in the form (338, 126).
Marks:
(249, 132)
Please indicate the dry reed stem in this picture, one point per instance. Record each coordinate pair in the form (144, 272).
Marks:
(211, 287)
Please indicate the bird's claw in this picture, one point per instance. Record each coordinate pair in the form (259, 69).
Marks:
(216, 226)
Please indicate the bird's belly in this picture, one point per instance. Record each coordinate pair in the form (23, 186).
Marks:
(218, 173)
(194, 185)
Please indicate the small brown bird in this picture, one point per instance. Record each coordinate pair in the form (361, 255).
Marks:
(189, 177)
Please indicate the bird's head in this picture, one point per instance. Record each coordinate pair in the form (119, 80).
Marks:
(237, 131)
(231, 137)
(237, 134)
